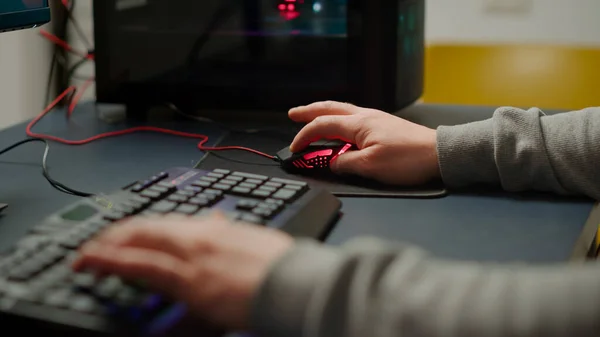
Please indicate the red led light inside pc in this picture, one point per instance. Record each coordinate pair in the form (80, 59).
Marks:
(288, 9)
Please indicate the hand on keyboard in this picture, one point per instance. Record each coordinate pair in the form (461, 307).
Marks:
(210, 264)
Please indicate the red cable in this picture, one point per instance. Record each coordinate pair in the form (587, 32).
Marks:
(78, 96)
(65, 45)
(72, 90)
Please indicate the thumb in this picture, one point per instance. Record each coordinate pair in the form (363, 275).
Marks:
(351, 162)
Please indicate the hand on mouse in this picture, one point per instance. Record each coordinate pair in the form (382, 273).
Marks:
(390, 149)
(211, 265)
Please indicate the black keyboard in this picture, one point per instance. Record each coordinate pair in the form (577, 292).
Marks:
(38, 290)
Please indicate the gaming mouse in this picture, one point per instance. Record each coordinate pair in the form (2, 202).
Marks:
(315, 158)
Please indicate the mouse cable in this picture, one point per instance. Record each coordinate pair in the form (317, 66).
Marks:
(220, 156)
(74, 96)
(57, 185)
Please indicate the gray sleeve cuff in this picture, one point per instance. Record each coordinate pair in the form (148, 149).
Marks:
(466, 154)
(281, 304)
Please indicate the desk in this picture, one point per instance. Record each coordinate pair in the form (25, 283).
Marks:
(473, 226)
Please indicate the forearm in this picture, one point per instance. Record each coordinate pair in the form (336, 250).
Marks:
(525, 150)
(377, 290)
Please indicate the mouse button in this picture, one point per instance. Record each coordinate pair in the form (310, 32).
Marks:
(328, 143)
(319, 153)
(343, 150)
(285, 154)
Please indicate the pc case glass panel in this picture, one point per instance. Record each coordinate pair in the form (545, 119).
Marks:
(410, 50)
(228, 48)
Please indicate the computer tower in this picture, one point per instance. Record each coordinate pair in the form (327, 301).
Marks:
(267, 55)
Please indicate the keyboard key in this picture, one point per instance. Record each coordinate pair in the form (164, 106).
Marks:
(199, 201)
(262, 212)
(254, 181)
(221, 171)
(250, 176)
(248, 185)
(228, 182)
(84, 280)
(134, 206)
(108, 287)
(234, 178)
(151, 194)
(279, 203)
(273, 184)
(216, 175)
(209, 179)
(165, 184)
(202, 183)
(142, 200)
(124, 208)
(212, 198)
(194, 189)
(128, 297)
(163, 206)
(289, 182)
(59, 298)
(187, 194)
(269, 189)
(84, 303)
(294, 188)
(247, 204)
(261, 194)
(159, 189)
(241, 190)
(222, 187)
(252, 219)
(216, 193)
(272, 207)
(115, 216)
(285, 195)
(178, 198)
(187, 209)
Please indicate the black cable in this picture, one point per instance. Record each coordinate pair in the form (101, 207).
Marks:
(59, 186)
(77, 27)
(50, 78)
(71, 72)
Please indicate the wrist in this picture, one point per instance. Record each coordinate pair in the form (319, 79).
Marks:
(433, 159)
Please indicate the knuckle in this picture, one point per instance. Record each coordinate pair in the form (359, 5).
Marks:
(366, 164)
(328, 105)
(321, 122)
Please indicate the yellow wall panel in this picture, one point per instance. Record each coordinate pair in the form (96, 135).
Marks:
(516, 75)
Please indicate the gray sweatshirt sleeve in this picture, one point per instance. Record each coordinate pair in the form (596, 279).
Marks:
(373, 289)
(525, 150)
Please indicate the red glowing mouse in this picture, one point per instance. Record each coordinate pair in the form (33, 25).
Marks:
(315, 158)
